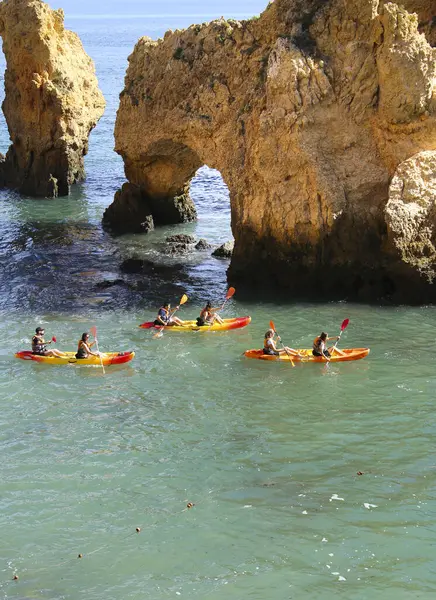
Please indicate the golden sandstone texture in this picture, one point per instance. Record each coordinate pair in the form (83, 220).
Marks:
(321, 117)
(52, 100)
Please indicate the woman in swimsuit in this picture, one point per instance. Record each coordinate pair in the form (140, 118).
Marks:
(270, 348)
(208, 316)
(84, 347)
(320, 347)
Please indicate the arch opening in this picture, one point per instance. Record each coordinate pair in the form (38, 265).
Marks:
(211, 198)
(168, 184)
(5, 140)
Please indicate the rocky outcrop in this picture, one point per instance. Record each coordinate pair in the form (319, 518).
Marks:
(307, 112)
(411, 213)
(426, 11)
(225, 250)
(136, 215)
(162, 199)
(52, 100)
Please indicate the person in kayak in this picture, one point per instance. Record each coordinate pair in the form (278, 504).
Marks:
(320, 347)
(270, 348)
(165, 318)
(209, 315)
(84, 347)
(39, 345)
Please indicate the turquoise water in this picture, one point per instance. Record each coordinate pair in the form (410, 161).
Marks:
(268, 454)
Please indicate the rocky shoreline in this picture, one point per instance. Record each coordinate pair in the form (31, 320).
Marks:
(320, 116)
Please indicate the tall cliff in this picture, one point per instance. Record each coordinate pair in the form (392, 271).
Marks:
(311, 113)
(52, 100)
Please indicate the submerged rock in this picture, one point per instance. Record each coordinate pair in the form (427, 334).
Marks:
(109, 283)
(307, 112)
(178, 249)
(52, 100)
(224, 251)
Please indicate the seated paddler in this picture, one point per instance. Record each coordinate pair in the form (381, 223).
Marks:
(166, 318)
(39, 345)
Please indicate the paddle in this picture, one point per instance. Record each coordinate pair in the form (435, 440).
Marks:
(93, 331)
(183, 300)
(230, 293)
(272, 326)
(344, 326)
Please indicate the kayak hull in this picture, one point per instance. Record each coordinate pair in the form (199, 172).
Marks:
(349, 354)
(69, 358)
(228, 324)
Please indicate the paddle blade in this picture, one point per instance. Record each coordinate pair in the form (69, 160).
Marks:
(344, 324)
(183, 300)
(53, 339)
(93, 331)
(230, 293)
(272, 326)
(157, 335)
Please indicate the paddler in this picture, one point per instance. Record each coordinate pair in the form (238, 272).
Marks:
(320, 347)
(84, 347)
(209, 315)
(39, 345)
(270, 348)
(165, 318)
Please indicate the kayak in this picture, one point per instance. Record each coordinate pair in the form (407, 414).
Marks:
(69, 358)
(349, 354)
(192, 325)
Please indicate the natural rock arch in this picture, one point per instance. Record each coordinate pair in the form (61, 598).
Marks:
(307, 112)
(52, 100)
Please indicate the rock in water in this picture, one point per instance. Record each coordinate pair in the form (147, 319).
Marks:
(180, 238)
(52, 100)
(224, 251)
(307, 111)
(202, 245)
(128, 212)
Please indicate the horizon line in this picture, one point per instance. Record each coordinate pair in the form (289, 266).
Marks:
(145, 16)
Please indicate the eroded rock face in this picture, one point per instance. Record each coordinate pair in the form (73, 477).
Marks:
(307, 112)
(411, 213)
(52, 99)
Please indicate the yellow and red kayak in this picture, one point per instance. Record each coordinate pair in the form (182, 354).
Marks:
(346, 355)
(69, 358)
(228, 324)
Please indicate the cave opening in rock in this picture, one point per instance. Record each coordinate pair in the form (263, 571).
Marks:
(4, 133)
(211, 197)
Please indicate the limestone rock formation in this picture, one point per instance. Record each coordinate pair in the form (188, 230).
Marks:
(307, 112)
(52, 100)
(136, 218)
(411, 213)
(426, 11)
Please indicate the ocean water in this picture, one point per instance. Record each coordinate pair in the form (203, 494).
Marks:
(267, 454)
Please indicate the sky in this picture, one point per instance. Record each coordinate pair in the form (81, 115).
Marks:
(160, 7)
